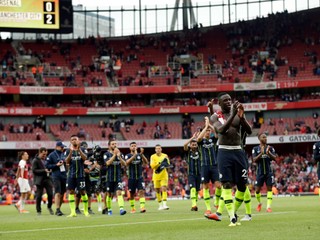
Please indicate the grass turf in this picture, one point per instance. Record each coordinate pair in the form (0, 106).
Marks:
(292, 218)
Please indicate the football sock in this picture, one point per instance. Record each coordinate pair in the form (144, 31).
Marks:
(164, 196)
(217, 196)
(193, 193)
(142, 202)
(247, 201)
(238, 200)
(258, 197)
(22, 203)
(108, 202)
(206, 197)
(99, 199)
(158, 194)
(131, 203)
(84, 199)
(269, 199)
(120, 201)
(197, 196)
(227, 195)
(72, 204)
(221, 203)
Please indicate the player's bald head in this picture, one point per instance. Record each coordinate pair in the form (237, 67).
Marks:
(220, 95)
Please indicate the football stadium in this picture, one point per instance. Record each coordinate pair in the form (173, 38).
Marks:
(159, 119)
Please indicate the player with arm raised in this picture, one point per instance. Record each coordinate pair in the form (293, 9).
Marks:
(114, 161)
(194, 169)
(135, 161)
(75, 158)
(316, 157)
(232, 162)
(209, 168)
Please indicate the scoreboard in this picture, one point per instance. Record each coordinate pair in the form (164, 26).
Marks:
(36, 16)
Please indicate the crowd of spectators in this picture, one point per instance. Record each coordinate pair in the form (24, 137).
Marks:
(243, 40)
(161, 133)
(37, 127)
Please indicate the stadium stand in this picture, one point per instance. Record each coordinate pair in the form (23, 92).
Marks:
(238, 53)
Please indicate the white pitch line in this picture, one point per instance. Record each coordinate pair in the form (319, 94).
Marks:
(94, 226)
(273, 213)
(121, 224)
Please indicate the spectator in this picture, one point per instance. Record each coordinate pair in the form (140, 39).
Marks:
(111, 137)
(167, 134)
(303, 130)
(103, 133)
(274, 132)
(297, 128)
(270, 122)
(101, 124)
(144, 124)
(38, 135)
(12, 129)
(315, 115)
(21, 128)
(156, 135)
(81, 133)
(4, 138)
(65, 126)
(140, 131)
(281, 121)
(127, 128)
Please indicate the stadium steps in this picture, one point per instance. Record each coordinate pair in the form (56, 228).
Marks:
(119, 136)
(255, 132)
(51, 136)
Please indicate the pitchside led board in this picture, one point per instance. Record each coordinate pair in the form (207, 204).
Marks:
(45, 16)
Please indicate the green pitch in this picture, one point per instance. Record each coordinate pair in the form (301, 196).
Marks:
(292, 218)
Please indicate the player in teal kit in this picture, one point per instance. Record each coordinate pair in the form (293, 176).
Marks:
(135, 161)
(263, 154)
(209, 165)
(75, 157)
(194, 169)
(114, 161)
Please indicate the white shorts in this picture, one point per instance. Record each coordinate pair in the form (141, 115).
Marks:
(24, 185)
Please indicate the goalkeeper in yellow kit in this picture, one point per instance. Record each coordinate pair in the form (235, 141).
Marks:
(159, 162)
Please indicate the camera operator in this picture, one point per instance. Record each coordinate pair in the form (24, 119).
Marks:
(94, 157)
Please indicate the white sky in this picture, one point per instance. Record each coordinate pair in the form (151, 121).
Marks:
(104, 4)
(150, 25)
(130, 3)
